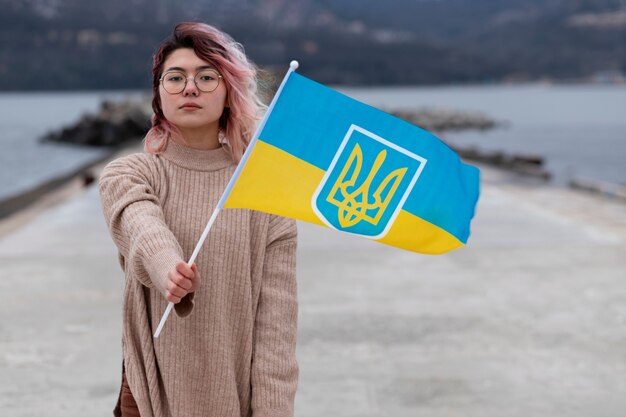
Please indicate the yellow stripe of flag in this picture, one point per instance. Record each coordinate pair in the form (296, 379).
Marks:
(276, 182)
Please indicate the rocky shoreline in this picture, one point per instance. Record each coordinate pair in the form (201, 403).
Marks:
(117, 124)
(121, 124)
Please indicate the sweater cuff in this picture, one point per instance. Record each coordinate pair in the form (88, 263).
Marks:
(159, 265)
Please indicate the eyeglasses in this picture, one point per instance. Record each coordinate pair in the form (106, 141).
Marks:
(174, 82)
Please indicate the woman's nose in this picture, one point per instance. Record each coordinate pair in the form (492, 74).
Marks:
(190, 87)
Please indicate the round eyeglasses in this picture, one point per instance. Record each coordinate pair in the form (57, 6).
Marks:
(174, 82)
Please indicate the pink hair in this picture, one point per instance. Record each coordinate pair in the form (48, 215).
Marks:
(239, 74)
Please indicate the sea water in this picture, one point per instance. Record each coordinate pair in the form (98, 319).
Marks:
(580, 130)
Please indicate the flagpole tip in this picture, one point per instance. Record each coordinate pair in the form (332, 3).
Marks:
(294, 65)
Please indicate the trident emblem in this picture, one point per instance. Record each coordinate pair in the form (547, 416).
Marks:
(355, 202)
(366, 184)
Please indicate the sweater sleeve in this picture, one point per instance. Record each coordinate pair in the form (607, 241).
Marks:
(274, 375)
(132, 211)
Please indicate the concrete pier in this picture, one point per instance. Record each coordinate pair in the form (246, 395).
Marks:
(528, 320)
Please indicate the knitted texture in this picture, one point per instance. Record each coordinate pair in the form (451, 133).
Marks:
(230, 348)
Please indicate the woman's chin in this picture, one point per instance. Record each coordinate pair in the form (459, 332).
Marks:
(189, 125)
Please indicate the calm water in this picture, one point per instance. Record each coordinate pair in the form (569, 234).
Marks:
(24, 118)
(581, 130)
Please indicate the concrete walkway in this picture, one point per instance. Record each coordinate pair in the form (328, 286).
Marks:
(528, 320)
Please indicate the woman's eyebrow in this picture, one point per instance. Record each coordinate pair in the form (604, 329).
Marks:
(201, 67)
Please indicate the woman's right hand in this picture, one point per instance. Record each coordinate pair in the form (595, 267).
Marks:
(181, 281)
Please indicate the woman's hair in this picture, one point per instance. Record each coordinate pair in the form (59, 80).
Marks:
(239, 74)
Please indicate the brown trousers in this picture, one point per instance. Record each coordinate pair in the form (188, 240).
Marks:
(126, 405)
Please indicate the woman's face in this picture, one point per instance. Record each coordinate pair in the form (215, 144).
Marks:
(192, 108)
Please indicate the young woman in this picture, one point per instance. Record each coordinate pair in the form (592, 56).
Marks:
(230, 348)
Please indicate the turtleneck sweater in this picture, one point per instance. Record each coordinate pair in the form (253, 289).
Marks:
(230, 348)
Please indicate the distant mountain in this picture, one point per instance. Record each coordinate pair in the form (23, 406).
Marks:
(75, 44)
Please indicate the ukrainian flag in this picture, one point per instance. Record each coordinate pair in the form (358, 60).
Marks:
(327, 159)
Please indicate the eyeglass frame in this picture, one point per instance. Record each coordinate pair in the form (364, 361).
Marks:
(219, 77)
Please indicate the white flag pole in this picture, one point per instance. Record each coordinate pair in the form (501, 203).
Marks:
(220, 204)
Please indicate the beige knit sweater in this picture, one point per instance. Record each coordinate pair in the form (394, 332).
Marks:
(230, 348)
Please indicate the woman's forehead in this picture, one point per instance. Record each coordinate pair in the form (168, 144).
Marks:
(186, 59)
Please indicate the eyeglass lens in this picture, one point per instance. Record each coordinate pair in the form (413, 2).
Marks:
(174, 82)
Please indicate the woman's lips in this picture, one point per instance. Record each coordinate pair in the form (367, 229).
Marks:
(190, 106)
